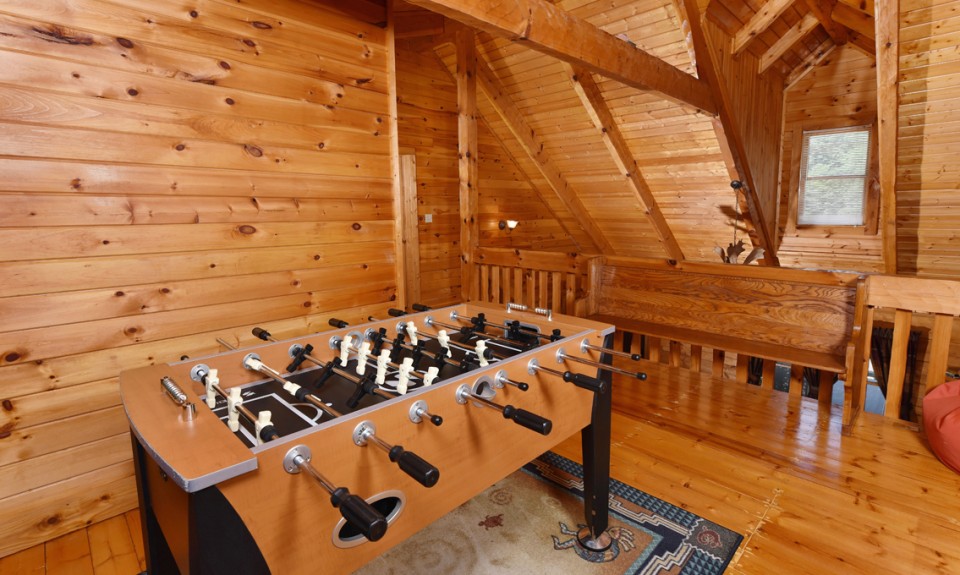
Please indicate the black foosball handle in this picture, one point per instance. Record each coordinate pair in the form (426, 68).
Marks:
(394, 312)
(415, 466)
(585, 381)
(641, 375)
(524, 418)
(337, 323)
(420, 307)
(260, 333)
(365, 517)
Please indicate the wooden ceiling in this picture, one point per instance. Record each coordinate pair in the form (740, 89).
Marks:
(647, 168)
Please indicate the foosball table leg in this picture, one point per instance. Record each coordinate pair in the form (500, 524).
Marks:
(595, 439)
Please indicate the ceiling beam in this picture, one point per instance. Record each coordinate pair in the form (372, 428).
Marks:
(789, 38)
(888, 72)
(854, 19)
(822, 9)
(809, 63)
(551, 30)
(596, 107)
(467, 166)
(535, 149)
(759, 22)
(708, 70)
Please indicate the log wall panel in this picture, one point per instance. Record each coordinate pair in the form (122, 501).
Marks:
(838, 92)
(927, 173)
(171, 175)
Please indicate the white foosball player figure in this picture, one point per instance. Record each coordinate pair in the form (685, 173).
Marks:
(432, 373)
(412, 332)
(481, 350)
(234, 400)
(263, 420)
(444, 340)
(345, 346)
(362, 354)
(212, 380)
(405, 368)
(382, 360)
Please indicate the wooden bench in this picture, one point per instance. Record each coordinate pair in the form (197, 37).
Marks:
(803, 318)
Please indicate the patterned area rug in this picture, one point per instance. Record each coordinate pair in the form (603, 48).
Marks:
(527, 523)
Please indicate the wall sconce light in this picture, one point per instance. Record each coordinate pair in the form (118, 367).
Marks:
(507, 224)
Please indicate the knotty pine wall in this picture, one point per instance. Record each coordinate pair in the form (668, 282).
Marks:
(928, 174)
(840, 91)
(172, 173)
(427, 119)
(757, 101)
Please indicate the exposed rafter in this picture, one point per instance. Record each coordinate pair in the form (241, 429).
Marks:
(822, 9)
(708, 70)
(596, 107)
(789, 38)
(854, 19)
(809, 63)
(536, 151)
(759, 22)
(466, 75)
(550, 29)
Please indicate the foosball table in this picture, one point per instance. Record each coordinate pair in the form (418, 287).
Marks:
(318, 453)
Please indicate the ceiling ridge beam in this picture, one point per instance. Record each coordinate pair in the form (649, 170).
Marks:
(759, 22)
(512, 116)
(596, 107)
(789, 38)
(730, 137)
(551, 30)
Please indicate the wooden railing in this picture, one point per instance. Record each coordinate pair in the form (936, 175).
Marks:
(555, 280)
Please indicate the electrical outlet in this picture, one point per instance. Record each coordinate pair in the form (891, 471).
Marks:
(428, 218)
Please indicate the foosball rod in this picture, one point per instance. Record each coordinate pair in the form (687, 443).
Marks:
(252, 362)
(481, 322)
(412, 464)
(265, 336)
(521, 417)
(500, 341)
(365, 517)
(370, 362)
(564, 356)
(487, 353)
(577, 379)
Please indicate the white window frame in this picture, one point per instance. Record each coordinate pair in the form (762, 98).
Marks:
(835, 220)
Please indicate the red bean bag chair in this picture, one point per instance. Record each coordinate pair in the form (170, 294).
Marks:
(941, 421)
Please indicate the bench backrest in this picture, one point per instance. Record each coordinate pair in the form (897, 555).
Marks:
(761, 311)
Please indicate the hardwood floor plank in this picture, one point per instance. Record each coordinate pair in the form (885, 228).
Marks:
(112, 549)
(30, 561)
(69, 554)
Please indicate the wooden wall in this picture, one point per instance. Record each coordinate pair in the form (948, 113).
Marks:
(928, 174)
(840, 91)
(757, 101)
(428, 129)
(171, 173)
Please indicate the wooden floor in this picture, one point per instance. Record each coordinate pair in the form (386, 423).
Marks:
(769, 466)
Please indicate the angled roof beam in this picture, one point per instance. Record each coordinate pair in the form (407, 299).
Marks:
(791, 37)
(854, 19)
(551, 30)
(535, 150)
(809, 63)
(708, 70)
(822, 10)
(599, 112)
(760, 21)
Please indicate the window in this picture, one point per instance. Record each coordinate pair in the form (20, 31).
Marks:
(834, 167)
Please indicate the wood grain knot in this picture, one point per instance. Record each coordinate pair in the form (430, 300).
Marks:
(7, 405)
(253, 150)
(356, 226)
(247, 229)
(125, 43)
(261, 25)
(11, 357)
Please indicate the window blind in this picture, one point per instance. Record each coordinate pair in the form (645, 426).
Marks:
(833, 177)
